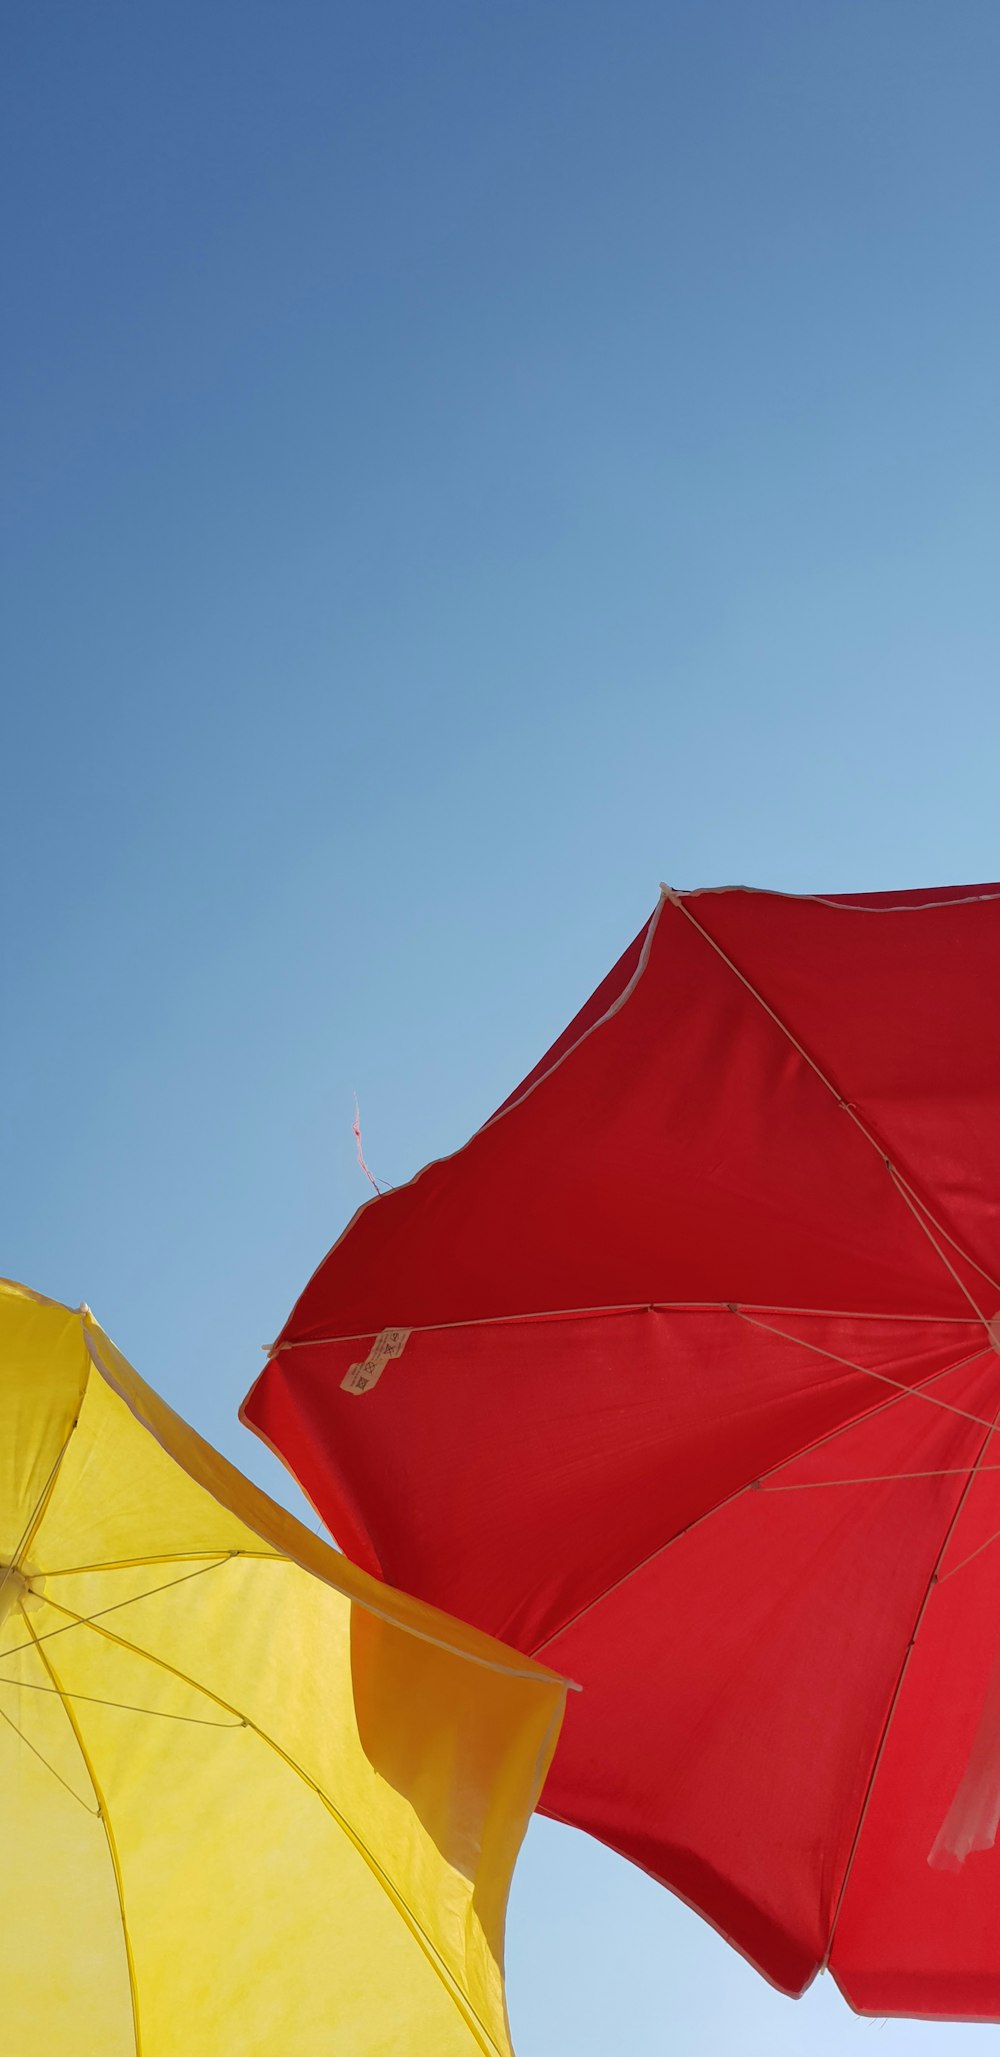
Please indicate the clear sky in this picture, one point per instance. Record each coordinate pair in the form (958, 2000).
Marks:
(463, 462)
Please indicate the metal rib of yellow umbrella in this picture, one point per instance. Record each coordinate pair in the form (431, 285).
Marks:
(255, 1803)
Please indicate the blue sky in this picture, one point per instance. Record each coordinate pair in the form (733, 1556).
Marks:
(463, 463)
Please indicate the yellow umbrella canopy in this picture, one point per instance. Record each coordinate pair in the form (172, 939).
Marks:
(255, 1803)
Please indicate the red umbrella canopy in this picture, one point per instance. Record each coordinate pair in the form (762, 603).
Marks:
(692, 1392)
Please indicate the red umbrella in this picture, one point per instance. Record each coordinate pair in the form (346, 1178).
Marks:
(690, 1389)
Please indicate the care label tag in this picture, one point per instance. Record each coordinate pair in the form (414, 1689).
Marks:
(360, 1378)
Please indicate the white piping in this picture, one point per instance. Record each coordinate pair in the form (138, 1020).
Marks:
(847, 904)
(508, 1108)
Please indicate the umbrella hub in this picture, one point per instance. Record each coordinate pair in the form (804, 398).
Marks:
(13, 1587)
(993, 1331)
(20, 1587)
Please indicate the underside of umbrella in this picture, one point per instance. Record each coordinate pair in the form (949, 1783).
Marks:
(253, 1801)
(692, 1389)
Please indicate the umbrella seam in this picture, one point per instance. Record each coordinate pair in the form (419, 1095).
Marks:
(609, 1013)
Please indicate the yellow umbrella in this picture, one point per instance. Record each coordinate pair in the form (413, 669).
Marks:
(255, 1803)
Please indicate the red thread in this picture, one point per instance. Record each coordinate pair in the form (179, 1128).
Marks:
(356, 1126)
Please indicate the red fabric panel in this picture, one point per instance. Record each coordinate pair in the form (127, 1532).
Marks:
(739, 1685)
(608, 1436)
(914, 1937)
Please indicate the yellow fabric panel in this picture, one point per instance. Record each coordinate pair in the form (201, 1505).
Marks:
(261, 1803)
(65, 1980)
(39, 1394)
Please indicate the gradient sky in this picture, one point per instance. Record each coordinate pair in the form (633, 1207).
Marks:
(462, 463)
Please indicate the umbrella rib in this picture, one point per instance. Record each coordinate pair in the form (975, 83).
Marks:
(434, 1328)
(755, 1484)
(963, 1561)
(121, 1706)
(894, 1702)
(887, 1478)
(868, 1370)
(105, 1820)
(131, 1601)
(907, 1191)
(36, 1752)
(164, 1557)
(75, 1620)
(462, 2003)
